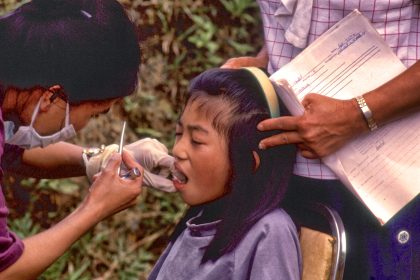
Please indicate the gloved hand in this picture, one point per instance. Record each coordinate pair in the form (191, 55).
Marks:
(154, 157)
(149, 153)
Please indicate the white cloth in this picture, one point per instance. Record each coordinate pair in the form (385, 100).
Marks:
(295, 17)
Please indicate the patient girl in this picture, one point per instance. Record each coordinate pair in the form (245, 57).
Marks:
(235, 228)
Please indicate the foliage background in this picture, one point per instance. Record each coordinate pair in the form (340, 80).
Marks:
(178, 39)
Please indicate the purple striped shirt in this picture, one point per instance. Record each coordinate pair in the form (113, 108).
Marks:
(397, 21)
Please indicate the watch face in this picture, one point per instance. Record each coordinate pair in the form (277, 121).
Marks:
(90, 152)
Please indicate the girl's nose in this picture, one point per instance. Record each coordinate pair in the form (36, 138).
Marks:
(178, 150)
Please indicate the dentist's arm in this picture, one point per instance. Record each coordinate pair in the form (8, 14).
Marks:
(58, 160)
(108, 195)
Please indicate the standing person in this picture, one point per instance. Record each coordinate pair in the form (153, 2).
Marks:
(374, 252)
(62, 62)
(235, 228)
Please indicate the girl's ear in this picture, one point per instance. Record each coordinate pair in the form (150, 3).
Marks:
(46, 98)
(45, 101)
(257, 160)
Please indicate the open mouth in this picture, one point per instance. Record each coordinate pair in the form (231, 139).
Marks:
(179, 176)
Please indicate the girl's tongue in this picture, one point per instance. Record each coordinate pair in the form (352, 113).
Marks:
(179, 176)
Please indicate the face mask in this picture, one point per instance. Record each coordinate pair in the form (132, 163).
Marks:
(26, 136)
(9, 127)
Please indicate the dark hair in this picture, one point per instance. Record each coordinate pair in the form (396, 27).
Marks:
(89, 47)
(251, 194)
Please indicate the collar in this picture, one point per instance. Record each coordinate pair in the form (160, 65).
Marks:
(205, 229)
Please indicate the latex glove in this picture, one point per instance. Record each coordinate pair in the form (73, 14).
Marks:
(149, 153)
(98, 163)
(154, 157)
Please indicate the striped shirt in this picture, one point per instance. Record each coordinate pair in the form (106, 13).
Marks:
(397, 21)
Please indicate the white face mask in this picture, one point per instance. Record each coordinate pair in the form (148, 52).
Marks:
(26, 136)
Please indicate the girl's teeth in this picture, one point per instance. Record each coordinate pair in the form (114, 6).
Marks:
(179, 176)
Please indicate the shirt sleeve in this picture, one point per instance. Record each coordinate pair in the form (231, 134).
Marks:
(11, 247)
(12, 158)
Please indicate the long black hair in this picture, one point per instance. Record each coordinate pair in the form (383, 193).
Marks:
(251, 193)
(89, 47)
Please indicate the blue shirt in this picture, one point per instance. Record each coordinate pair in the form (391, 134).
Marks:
(270, 250)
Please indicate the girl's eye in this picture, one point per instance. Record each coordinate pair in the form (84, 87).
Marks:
(194, 142)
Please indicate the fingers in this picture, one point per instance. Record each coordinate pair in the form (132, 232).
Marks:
(158, 182)
(284, 138)
(243, 61)
(132, 165)
(232, 63)
(167, 161)
(308, 154)
(129, 160)
(312, 99)
(149, 153)
(281, 123)
(113, 163)
(159, 146)
(146, 144)
(288, 124)
(109, 193)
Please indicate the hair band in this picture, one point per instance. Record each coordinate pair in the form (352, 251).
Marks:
(268, 90)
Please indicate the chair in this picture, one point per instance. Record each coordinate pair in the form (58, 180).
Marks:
(323, 242)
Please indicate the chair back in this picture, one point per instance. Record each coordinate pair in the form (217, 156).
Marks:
(323, 242)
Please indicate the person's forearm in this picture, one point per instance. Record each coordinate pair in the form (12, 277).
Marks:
(108, 194)
(328, 124)
(396, 98)
(54, 161)
(43, 249)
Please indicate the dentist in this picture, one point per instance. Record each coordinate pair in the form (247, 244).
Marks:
(61, 63)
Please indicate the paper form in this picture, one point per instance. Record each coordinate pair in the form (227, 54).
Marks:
(381, 168)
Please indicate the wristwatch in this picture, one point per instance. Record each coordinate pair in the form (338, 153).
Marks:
(87, 153)
(367, 113)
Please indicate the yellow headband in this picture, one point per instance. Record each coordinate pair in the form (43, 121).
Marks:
(268, 89)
